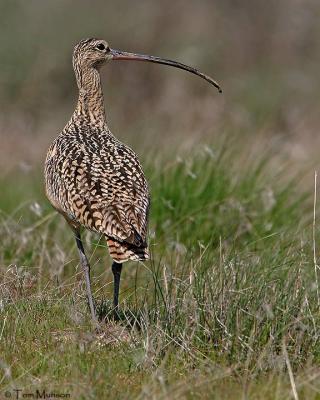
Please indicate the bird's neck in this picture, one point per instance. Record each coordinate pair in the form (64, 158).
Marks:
(90, 107)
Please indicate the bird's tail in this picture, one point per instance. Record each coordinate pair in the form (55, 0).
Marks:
(121, 251)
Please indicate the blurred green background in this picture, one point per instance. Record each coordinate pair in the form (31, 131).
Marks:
(266, 56)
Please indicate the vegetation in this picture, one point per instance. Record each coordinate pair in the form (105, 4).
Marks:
(228, 306)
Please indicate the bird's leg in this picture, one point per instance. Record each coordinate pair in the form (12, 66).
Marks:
(116, 270)
(86, 269)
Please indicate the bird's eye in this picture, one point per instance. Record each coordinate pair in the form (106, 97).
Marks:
(100, 46)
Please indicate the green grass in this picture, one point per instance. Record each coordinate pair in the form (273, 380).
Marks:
(227, 306)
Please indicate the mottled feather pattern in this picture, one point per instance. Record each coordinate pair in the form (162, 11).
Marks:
(98, 182)
(93, 179)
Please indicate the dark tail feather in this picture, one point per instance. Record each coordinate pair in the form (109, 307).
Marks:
(122, 251)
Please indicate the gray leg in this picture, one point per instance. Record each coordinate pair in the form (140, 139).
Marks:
(86, 269)
(116, 269)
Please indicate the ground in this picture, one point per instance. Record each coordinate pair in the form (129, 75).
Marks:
(227, 308)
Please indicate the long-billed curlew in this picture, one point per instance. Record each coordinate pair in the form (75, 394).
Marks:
(93, 179)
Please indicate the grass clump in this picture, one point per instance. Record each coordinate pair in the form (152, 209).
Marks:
(227, 304)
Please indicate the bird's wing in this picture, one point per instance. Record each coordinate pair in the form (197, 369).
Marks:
(109, 193)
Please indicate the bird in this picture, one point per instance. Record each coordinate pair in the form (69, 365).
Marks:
(95, 181)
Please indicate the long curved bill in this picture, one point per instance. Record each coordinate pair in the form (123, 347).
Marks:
(123, 55)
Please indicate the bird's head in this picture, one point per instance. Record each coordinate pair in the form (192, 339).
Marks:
(92, 53)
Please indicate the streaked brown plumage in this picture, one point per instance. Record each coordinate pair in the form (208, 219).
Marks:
(93, 179)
